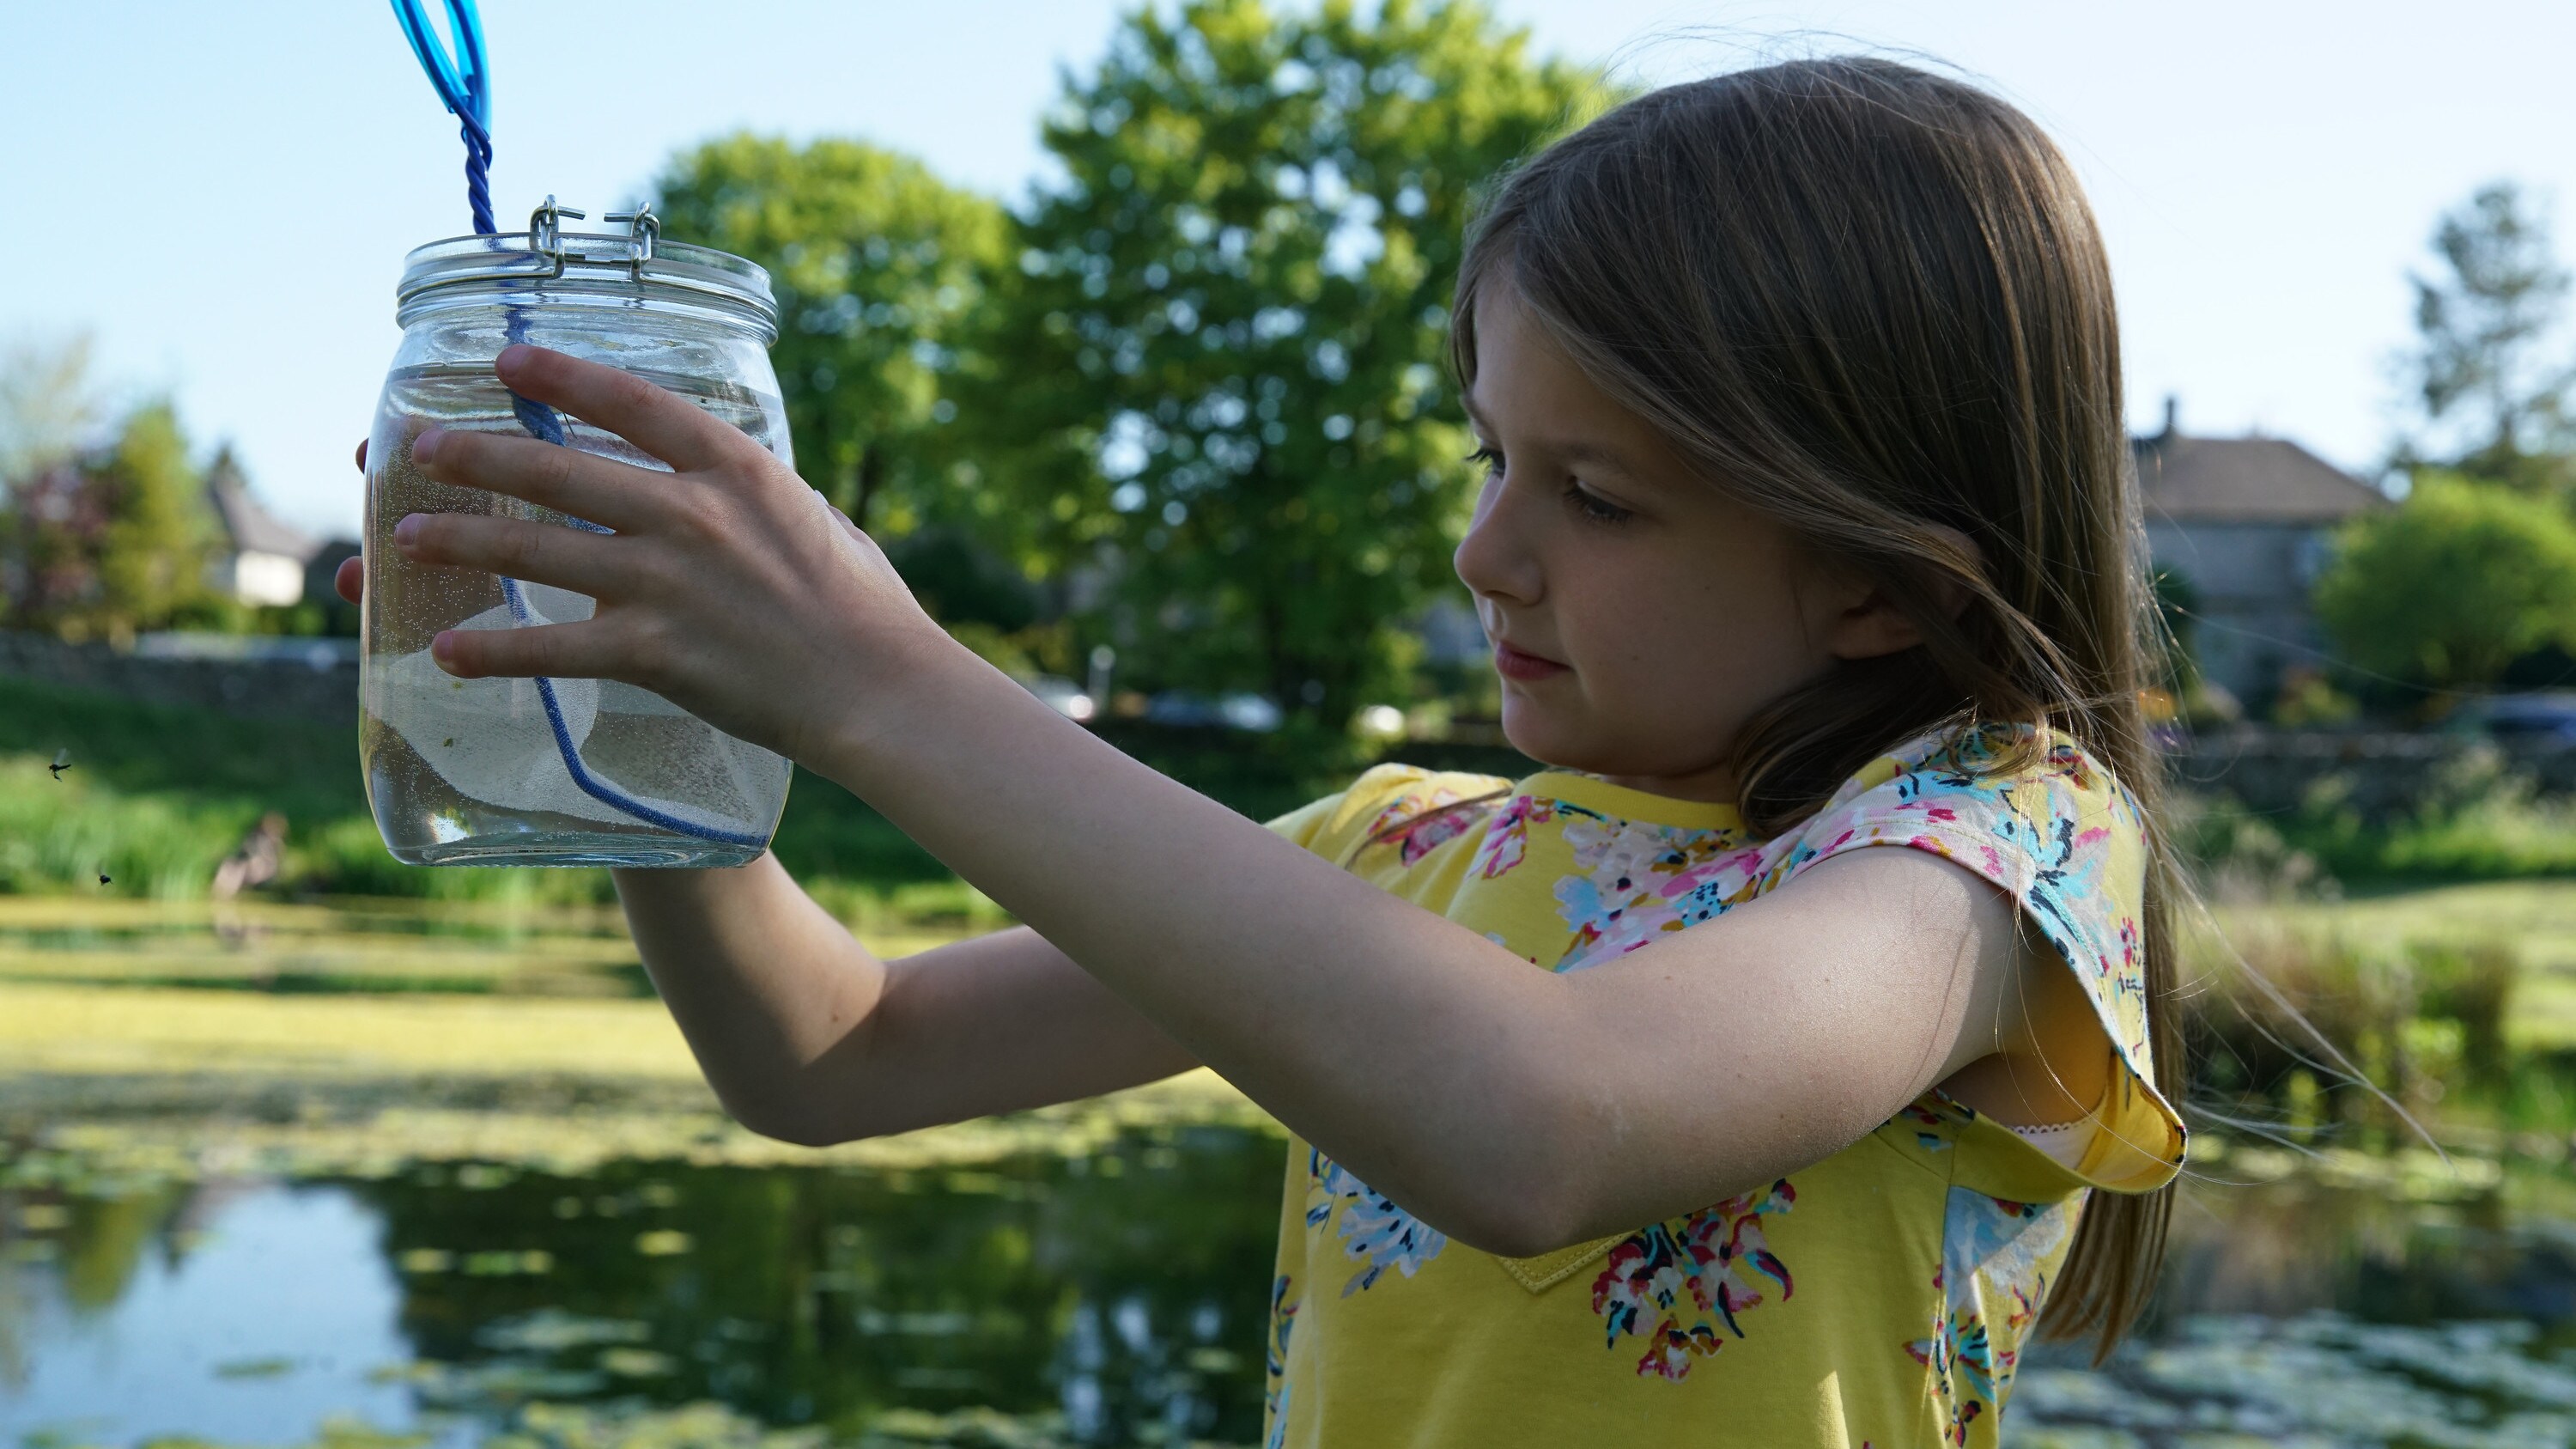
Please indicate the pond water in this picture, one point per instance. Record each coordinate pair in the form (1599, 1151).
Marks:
(1115, 1298)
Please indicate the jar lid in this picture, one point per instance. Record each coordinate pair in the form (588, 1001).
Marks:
(634, 263)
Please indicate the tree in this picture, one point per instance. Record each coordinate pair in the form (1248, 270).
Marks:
(112, 542)
(48, 408)
(2483, 372)
(875, 261)
(2448, 590)
(1215, 377)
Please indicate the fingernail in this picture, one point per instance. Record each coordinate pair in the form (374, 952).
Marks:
(443, 648)
(407, 530)
(425, 447)
(510, 359)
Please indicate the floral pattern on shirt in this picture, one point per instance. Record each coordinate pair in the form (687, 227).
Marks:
(1995, 1260)
(1507, 837)
(1626, 895)
(1689, 1276)
(1373, 1230)
(1274, 1398)
(1417, 826)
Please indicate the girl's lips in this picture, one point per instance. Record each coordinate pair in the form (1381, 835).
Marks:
(1513, 664)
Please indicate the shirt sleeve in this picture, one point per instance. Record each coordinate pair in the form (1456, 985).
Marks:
(2065, 841)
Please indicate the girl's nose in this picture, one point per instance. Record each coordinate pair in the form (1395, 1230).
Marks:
(1494, 560)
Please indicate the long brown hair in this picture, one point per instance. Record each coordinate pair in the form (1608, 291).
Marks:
(1871, 303)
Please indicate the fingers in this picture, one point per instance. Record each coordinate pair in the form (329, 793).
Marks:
(351, 580)
(542, 553)
(589, 649)
(585, 485)
(660, 422)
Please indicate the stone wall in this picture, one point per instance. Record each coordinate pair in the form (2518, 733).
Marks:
(270, 681)
(2380, 775)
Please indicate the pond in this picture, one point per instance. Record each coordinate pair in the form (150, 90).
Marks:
(1113, 1298)
(1109, 1298)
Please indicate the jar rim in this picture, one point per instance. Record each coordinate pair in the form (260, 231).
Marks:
(590, 262)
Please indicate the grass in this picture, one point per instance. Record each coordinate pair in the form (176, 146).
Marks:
(157, 795)
(2536, 918)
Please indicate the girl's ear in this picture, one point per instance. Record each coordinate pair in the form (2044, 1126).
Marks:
(1870, 624)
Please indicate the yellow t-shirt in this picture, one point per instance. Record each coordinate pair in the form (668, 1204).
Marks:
(1877, 1298)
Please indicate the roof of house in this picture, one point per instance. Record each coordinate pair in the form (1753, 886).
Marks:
(2245, 480)
(249, 525)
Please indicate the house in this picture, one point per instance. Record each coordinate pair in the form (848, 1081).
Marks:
(259, 559)
(2242, 525)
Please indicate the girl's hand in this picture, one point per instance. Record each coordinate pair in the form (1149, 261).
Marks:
(729, 587)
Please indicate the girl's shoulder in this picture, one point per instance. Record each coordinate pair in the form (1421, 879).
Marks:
(2008, 802)
(2038, 815)
(2041, 818)
(1993, 765)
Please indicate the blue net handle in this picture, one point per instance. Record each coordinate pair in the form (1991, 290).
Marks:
(464, 85)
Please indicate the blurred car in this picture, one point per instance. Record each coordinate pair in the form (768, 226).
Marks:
(1061, 695)
(2546, 718)
(1187, 709)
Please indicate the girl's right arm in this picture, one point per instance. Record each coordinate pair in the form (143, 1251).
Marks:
(808, 1037)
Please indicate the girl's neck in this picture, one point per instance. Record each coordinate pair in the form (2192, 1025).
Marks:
(1713, 786)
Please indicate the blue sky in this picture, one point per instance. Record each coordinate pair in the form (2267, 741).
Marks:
(222, 194)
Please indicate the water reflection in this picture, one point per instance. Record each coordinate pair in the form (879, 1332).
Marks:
(1107, 1288)
(1113, 1299)
(241, 1317)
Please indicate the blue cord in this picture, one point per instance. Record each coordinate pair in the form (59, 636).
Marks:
(464, 85)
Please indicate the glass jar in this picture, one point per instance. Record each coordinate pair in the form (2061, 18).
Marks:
(550, 771)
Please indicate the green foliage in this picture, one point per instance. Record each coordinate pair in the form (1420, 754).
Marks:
(2308, 699)
(961, 581)
(2448, 590)
(875, 262)
(2282, 1011)
(2475, 820)
(2483, 372)
(115, 542)
(47, 404)
(1215, 376)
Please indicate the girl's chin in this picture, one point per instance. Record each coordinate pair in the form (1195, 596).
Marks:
(1545, 735)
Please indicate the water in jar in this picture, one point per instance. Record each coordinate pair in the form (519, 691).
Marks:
(482, 771)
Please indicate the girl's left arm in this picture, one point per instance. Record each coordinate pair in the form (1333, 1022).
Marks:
(1516, 1109)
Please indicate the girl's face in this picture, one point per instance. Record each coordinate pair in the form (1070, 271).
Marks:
(1638, 616)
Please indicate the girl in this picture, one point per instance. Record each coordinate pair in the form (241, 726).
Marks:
(1635, 1101)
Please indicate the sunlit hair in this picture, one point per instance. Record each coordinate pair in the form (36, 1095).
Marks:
(1871, 303)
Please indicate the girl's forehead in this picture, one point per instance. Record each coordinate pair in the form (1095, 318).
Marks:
(1527, 391)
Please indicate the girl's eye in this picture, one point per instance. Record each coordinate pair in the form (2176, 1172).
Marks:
(1491, 459)
(1594, 508)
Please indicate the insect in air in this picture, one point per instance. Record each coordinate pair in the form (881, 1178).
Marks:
(102, 879)
(62, 761)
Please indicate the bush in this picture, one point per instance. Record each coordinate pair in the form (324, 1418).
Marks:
(2282, 1011)
(2447, 591)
